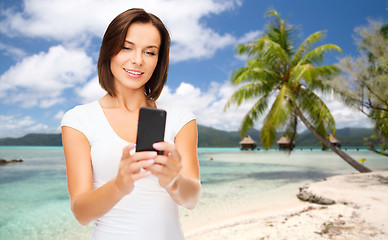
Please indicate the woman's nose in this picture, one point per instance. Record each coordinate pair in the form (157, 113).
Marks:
(137, 58)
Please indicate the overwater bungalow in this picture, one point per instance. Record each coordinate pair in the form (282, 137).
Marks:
(334, 141)
(285, 143)
(247, 143)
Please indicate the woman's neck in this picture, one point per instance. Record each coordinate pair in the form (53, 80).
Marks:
(129, 102)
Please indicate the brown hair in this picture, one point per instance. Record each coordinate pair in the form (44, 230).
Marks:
(113, 42)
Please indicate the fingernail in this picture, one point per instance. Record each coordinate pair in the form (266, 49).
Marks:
(156, 145)
(131, 145)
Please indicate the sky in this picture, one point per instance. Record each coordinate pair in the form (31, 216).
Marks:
(49, 51)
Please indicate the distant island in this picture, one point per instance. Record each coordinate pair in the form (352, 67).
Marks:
(210, 137)
(3, 161)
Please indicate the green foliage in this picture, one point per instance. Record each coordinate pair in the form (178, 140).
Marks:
(277, 69)
(364, 84)
(211, 137)
(33, 139)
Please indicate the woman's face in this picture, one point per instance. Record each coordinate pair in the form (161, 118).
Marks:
(134, 65)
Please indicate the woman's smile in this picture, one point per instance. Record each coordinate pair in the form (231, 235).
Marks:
(133, 73)
(134, 65)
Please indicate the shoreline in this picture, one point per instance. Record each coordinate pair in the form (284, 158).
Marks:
(359, 212)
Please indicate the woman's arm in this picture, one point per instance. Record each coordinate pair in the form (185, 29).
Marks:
(88, 204)
(180, 161)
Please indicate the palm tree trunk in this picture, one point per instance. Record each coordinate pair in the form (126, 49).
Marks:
(359, 167)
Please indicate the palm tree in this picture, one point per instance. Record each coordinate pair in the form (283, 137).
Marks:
(275, 68)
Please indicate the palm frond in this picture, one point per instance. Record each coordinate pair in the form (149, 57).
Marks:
(247, 74)
(306, 46)
(317, 110)
(291, 129)
(319, 78)
(267, 135)
(267, 50)
(253, 114)
(299, 73)
(246, 92)
(276, 118)
(317, 55)
(245, 49)
(315, 78)
(280, 31)
(320, 128)
(273, 13)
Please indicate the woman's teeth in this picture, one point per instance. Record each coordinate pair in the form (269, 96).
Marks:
(132, 72)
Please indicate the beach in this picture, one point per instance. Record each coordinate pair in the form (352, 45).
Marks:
(359, 212)
(246, 195)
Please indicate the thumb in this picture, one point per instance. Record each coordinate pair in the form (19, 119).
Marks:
(127, 150)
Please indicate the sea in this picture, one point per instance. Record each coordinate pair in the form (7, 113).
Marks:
(34, 202)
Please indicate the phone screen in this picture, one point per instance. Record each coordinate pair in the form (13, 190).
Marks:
(150, 128)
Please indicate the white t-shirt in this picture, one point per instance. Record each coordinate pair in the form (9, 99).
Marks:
(148, 212)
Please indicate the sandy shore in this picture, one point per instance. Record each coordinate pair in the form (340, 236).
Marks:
(360, 212)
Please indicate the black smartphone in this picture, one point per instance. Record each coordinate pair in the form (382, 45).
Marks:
(150, 128)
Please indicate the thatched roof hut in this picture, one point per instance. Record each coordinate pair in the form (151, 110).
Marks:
(334, 141)
(247, 143)
(285, 143)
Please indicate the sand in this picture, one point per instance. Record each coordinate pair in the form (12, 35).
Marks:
(360, 212)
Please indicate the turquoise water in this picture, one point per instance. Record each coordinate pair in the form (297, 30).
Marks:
(34, 201)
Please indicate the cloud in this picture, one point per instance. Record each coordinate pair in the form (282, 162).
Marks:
(75, 22)
(59, 115)
(40, 79)
(345, 116)
(13, 126)
(13, 52)
(58, 20)
(91, 91)
(249, 36)
(208, 107)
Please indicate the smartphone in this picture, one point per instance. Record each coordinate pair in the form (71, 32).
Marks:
(150, 128)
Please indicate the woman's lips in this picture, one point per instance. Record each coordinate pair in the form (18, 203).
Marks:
(133, 73)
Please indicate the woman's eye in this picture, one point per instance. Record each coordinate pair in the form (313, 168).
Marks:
(150, 53)
(126, 48)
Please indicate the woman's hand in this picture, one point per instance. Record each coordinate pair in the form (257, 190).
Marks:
(167, 166)
(130, 168)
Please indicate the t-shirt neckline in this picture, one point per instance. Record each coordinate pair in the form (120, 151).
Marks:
(120, 139)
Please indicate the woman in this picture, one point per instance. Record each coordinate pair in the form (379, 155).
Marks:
(131, 195)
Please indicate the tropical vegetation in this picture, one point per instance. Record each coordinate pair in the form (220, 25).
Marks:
(364, 84)
(291, 77)
(350, 138)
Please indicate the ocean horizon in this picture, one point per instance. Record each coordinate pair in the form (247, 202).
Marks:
(34, 201)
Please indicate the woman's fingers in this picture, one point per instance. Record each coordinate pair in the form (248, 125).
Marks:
(167, 148)
(130, 168)
(126, 151)
(159, 169)
(169, 162)
(167, 166)
(137, 166)
(138, 156)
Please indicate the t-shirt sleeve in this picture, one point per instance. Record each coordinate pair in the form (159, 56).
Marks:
(182, 117)
(77, 118)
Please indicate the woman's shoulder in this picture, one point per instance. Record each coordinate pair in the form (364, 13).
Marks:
(83, 108)
(80, 112)
(177, 116)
